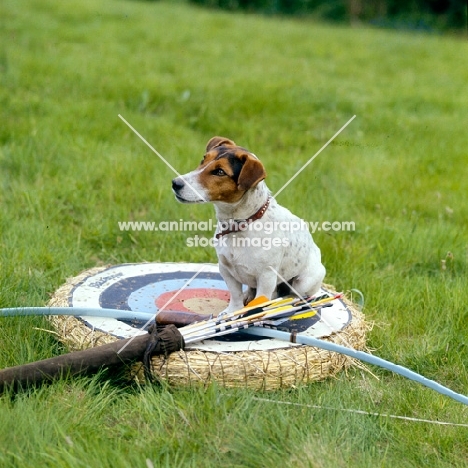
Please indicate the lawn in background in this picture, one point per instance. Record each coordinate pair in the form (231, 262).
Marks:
(70, 170)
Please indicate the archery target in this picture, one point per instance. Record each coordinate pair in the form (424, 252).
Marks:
(188, 287)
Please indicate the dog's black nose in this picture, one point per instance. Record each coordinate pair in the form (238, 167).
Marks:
(177, 184)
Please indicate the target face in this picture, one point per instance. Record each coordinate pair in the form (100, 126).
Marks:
(187, 287)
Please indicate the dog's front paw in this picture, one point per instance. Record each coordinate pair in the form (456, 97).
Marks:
(230, 309)
(224, 313)
(249, 295)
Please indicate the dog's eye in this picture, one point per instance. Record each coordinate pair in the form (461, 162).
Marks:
(218, 172)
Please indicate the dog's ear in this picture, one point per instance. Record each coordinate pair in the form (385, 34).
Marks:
(219, 141)
(251, 174)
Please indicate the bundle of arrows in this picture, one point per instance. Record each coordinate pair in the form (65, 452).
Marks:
(259, 312)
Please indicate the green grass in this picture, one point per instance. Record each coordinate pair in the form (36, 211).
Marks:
(70, 170)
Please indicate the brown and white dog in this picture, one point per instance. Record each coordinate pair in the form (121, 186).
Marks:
(258, 241)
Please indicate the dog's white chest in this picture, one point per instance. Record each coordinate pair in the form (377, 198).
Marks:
(245, 257)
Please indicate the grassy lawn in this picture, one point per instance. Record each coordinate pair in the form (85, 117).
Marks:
(70, 170)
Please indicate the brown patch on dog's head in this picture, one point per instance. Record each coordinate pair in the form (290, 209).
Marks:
(228, 171)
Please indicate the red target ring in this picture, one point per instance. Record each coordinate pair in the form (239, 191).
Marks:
(195, 300)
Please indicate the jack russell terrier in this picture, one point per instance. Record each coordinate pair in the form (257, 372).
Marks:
(231, 178)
